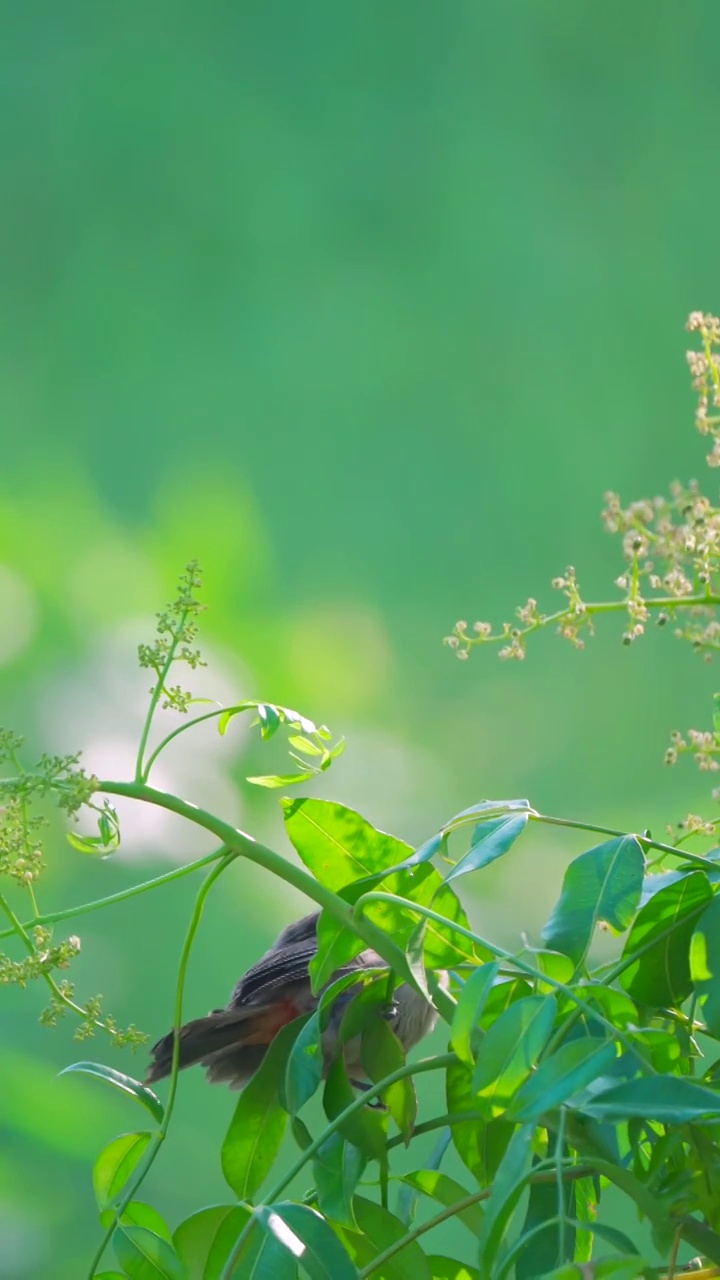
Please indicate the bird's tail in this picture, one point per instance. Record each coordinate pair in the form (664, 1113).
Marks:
(230, 1043)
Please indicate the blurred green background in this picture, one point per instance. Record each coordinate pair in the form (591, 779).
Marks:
(365, 306)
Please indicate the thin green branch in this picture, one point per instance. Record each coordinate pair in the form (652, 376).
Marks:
(20, 931)
(122, 895)
(159, 1137)
(162, 675)
(190, 724)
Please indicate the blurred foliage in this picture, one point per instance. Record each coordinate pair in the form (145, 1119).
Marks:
(365, 309)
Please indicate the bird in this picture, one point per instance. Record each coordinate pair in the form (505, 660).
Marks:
(232, 1042)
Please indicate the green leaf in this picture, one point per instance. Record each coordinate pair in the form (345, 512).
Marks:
(274, 780)
(304, 745)
(490, 841)
(486, 807)
(258, 1125)
(512, 1046)
(139, 1091)
(438, 1186)
(451, 1269)
(366, 1129)
(304, 1066)
(603, 884)
(137, 1214)
(471, 1002)
(542, 1252)
(264, 1257)
(480, 1145)
(705, 965)
(575, 1065)
(660, 939)
(670, 1099)
(507, 1188)
(205, 1240)
(110, 1275)
(145, 1256)
(115, 1164)
(382, 1054)
(309, 1239)
(378, 1229)
(337, 1168)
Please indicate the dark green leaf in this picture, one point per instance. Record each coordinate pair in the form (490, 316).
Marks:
(507, 1188)
(480, 1144)
(258, 1125)
(137, 1090)
(304, 1066)
(382, 1054)
(603, 884)
(263, 1256)
(671, 1099)
(543, 1251)
(438, 1186)
(490, 841)
(337, 1169)
(575, 1065)
(512, 1046)
(378, 1230)
(365, 1128)
(310, 1239)
(145, 1256)
(486, 807)
(115, 1164)
(660, 939)
(705, 965)
(471, 1002)
(451, 1269)
(205, 1240)
(301, 1133)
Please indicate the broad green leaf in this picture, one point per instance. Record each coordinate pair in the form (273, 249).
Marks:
(507, 1188)
(365, 1128)
(304, 745)
(705, 965)
(138, 1214)
(512, 1046)
(660, 940)
(574, 1066)
(258, 1125)
(471, 1002)
(451, 1269)
(339, 847)
(586, 1206)
(552, 963)
(304, 1066)
(263, 1256)
(204, 1241)
(115, 1164)
(486, 807)
(603, 884)
(490, 841)
(438, 1186)
(137, 1090)
(378, 1230)
(382, 1054)
(308, 1238)
(337, 1169)
(408, 1196)
(542, 1252)
(145, 1256)
(670, 1099)
(479, 1143)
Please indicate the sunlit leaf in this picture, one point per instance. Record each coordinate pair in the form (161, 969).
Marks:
(479, 1143)
(126, 1084)
(258, 1125)
(471, 1002)
(308, 1238)
(378, 1229)
(205, 1240)
(571, 1068)
(304, 745)
(705, 965)
(603, 884)
(438, 1186)
(451, 1269)
(274, 780)
(661, 937)
(512, 1046)
(115, 1164)
(490, 841)
(670, 1099)
(137, 1214)
(337, 1169)
(145, 1256)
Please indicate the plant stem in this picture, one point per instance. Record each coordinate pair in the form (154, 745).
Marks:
(159, 1137)
(162, 675)
(83, 908)
(190, 724)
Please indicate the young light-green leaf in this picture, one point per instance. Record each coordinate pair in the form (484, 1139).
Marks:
(126, 1084)
(705, 965)
(603, 884)
(660, 939)
(512, 1046)
(115, 1164)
